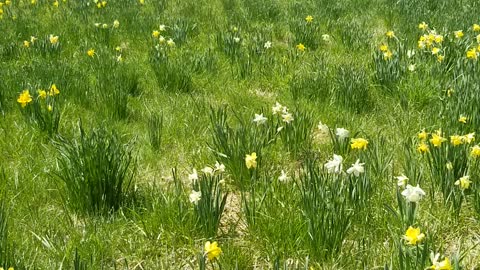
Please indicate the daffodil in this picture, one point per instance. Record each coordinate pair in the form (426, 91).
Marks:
(356, 168)
(422, 148)
(384, 47)
(468, 138)
(440, 58)
(309, 19)
(278, 108)
(437, 140)
(436, 265)
(267, 45)
(462, 119)
(301, 47)
(53, 90)
(195, 196)
(212, 250)
(413, 194)
(472, 54)
(260, 119)
(334, 165)
(422, 135)
(251, 160)
(423, 26)
(342, 133)
(387, 55)
(53, 39)
(193, 177)
(402, 180)
(359, 143)
(435, 50)
(116, 24)
(458, 34)
(155, 33)
(283, 177)
(475, 152)
(456, 140)
(287, 118)
(24, 98)
(476, 27)
(449, 166)
(390, 34)
(91, 52)
(42, 93)
(464, 182)
(170, 42)
(413, 236)
(26, 44)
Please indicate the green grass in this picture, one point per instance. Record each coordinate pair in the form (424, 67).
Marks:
(108, 198)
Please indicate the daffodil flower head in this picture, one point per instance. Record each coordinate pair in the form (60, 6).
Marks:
(251, 160)
(334, 165)
(24, 98)
(356, 168)
(359, 143)
(212, 250)
(475, 152)
(464, 182)
(413, 194)
(413, 236)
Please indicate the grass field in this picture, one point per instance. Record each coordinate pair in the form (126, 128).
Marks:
(239, 134)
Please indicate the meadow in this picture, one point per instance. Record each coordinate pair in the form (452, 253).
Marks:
(239, 134)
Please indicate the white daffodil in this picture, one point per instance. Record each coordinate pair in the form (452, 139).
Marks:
(267, 45)
(326, 37)
(411, 67)
(260, 119)
(219, 167)
(195, 196)
(356, 168)
(193, 176)
(283, 177)
(413, 194)
(342, 133)
(323, 128)
(287, 118)
(410, 53)
(162, 27)
(401, 180)
(334, 165)
(207, 170)
(278, 108)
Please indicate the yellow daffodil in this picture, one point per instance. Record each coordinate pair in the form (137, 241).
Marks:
(422, 135)
(53, 90)
(422, 148)
(212, 250)
(435, 50)
(55, 4)
(91, 52)
(390, 34)
(24, 98)
(251, 160)
(49, 108)
(464, 182)
(450, 92)
(449, 166)
(26, 44)
(53, 39)
(384, 47)
(301, 47)
(42, 94)
(462, 119)
(155, 33)
(359, 143)
(472, 54)
(456, 140)
(458, 34)
(413, 236)
(387, 55)
(437, 140)
(423, 26)
(475, 151)
(440, 58)
(309, 19)
(438, 39)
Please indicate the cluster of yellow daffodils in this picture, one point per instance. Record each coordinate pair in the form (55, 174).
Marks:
(25, 98)
(100, 4)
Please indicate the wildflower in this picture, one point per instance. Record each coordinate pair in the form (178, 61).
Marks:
(53, 39)
(410, 53)
(162, 27)
(309, 19)
(55, 4)
(413, 194)
(193, 176)
(464, 182)
(301, 47)
(283, 177)
(116, 24)
(161, 39)
(356, 168)
(219, 167)
(26, 44)
(142, 2)
(449, 166)
(334, 165)
(422, 148)
(390, 34)
(342, 133)
(411, 67)
(440, 58)
(438, 39)
(413, 236)
(251, 160)
(359, 143)
(53, 90)
(383, 47)
(387, 55)
(450, 92)
(436, 265)
(91, 52)
(119, 58)
(456, 140)
(458, 34)
(260, 119)
(236, 39)
(326, 37)
(155, 33)
(267, 45)
(277, 108)
(207, 170)
(287, 118)
(212, 251)
(468, 138)
(422, 26)
(195, 196)
(475, 151)
(462, 119)
(401, 180)
(422, 135)
(437, 140)
(170, 42)
(472, 54)
(435, 50)
(24, 98)
(33, 39)
(42, 94)
(476, 27)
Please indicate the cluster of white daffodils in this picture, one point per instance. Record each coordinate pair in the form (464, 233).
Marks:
(196, 196)
(335, 166)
